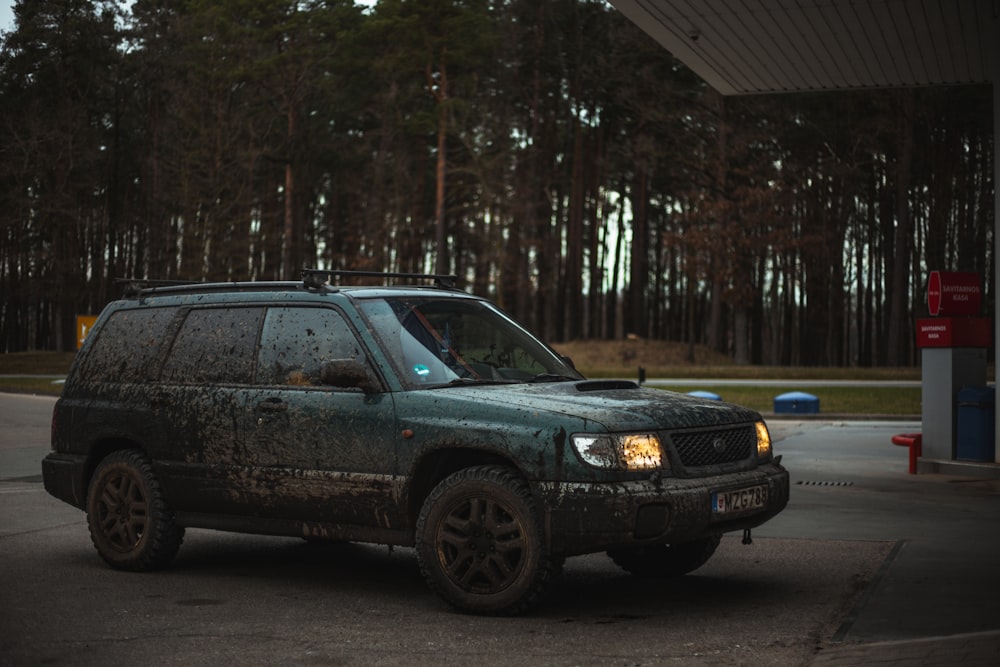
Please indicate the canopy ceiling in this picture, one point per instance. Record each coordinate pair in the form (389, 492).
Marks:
(770, 46)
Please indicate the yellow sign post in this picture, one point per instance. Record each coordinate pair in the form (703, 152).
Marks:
(84, 323)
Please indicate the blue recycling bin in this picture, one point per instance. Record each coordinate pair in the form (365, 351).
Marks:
(796, 402)
(976, 424)
(710, 395)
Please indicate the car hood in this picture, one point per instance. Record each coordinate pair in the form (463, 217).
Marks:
(615, 404)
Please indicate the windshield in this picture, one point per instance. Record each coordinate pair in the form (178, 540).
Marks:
(441, 341)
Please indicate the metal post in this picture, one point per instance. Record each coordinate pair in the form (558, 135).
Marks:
(995, 76)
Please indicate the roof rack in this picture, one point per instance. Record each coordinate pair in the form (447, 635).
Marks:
(315, 278)
(133, 286)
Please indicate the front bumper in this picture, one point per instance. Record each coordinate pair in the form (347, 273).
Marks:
(589, 517)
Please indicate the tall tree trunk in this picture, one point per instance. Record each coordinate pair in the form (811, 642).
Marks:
(439, 89)
(898, 303)
(572, 327)
(440, 232)
(289, 228)
(614, 325)
(716, 333)
(741, 347)
(637, 317)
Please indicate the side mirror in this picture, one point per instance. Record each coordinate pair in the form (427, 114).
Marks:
(566, 360)
(348, 373)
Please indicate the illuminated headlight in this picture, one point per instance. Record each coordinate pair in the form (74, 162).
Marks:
(635, 451)
(763, 441)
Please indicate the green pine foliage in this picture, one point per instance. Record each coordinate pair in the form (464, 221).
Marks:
(547, 151)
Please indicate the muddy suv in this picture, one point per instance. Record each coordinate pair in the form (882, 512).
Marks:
(403, 415)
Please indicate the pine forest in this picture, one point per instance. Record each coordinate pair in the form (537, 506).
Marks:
(547, 152)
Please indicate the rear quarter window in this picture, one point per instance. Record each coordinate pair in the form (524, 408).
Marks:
(128, 345)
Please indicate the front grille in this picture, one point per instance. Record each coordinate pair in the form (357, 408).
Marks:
(715, 446)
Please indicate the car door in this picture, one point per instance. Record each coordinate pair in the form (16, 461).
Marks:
(199, 402)
(317, 452)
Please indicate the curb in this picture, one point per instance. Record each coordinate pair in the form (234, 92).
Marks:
(969, 650)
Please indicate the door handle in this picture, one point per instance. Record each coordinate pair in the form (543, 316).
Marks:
(272, 405)
(158, 399)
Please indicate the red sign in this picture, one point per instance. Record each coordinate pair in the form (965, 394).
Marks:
(953, 293)
(954, 332)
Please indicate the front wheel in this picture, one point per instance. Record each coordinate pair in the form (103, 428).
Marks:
(130, 524)
(661, 561)
(480, 545)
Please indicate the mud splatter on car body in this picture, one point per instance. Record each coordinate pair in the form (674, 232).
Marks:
(403, 415)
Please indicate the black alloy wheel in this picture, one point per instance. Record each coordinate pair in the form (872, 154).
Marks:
(479, 543)
(130, 524)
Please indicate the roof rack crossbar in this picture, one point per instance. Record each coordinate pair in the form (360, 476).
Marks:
(133, 286)
(316, 277)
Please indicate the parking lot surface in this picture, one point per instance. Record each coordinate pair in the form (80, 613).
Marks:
(867, 565)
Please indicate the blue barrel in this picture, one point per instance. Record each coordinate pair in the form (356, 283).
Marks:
(976, 424)
(796, 402)
(712, 396)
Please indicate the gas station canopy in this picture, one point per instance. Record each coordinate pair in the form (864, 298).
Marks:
(772, 46)
(745, 47)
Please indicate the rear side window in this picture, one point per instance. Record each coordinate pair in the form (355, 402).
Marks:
(128, 345)
(215, 345)
(295, 342)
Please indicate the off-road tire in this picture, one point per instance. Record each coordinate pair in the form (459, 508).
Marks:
(480, 544)
(662, 561)
(130, 524)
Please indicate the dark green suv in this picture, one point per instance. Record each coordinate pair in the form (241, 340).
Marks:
(402, 415)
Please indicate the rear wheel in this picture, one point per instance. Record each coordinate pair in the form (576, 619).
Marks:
(130, 524)
(661, 561)
(480, 545)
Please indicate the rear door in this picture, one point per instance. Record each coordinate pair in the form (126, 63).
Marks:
(253, 430)
(199, 402)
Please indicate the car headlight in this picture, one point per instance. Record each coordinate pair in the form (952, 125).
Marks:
(633, 451)
(763, 441)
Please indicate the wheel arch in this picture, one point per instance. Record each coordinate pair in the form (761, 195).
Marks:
(100, 450)
(438, 464)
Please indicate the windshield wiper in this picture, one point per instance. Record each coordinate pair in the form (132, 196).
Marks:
(552, 377)
(478, 381)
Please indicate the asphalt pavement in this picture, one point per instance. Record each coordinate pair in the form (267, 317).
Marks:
(936, 597)
(868, 565)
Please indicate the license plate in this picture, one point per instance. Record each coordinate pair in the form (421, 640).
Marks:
(739, 500)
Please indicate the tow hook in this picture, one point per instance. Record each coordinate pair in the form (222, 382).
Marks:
(746, 536)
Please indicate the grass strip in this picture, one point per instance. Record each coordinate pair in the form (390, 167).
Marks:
(31, 385)
(857, 400)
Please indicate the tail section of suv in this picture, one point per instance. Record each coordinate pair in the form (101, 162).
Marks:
(404, 415)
